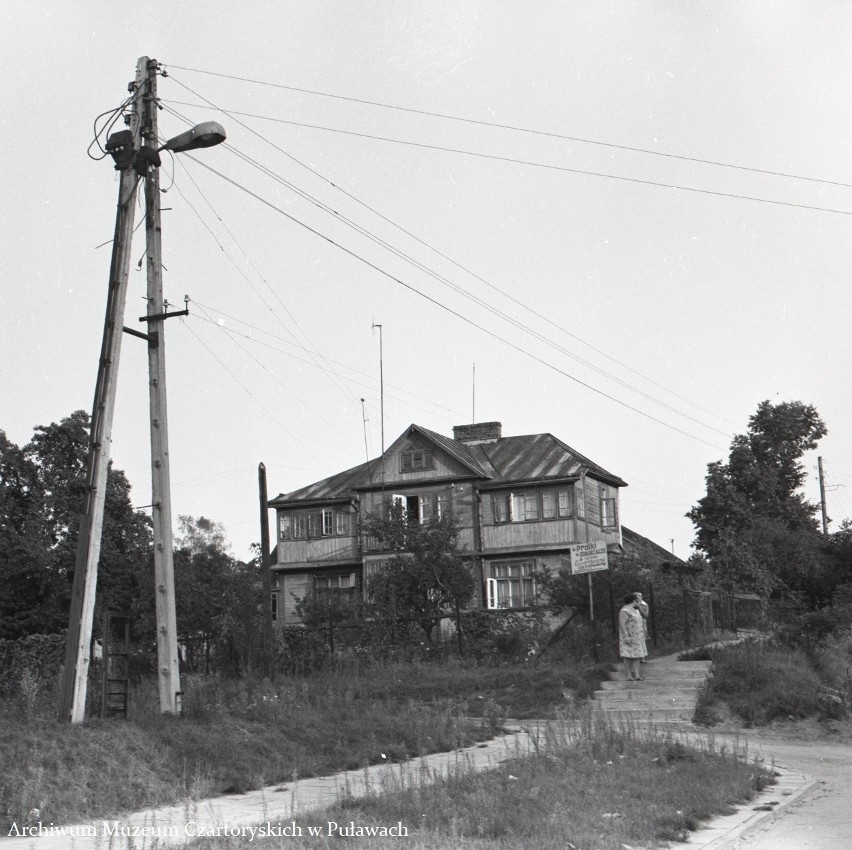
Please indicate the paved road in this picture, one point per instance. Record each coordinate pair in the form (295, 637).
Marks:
(819, 819)
(822, 821)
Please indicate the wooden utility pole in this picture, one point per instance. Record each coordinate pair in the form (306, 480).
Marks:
(72, 700)
(164, 569)
(822, 496)
(265, 571)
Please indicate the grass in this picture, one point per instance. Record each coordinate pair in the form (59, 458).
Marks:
(583, 785)
(759, 682)
(239, 735)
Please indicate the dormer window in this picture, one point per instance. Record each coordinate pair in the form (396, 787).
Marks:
(414, 459)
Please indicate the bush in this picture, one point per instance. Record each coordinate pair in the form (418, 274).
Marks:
(497, 636)
(761, 682)
(39, 657)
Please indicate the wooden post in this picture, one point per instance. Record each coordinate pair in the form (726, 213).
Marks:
(265, 572)
(164, 568)
(652, 609)
(72, 699)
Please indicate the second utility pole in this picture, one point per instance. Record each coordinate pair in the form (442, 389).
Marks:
(168, 674)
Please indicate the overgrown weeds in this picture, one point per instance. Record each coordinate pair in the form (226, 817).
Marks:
(582, 784)
(760, 681)
(244, 733)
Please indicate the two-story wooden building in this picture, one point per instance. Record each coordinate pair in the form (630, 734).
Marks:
(520, 501)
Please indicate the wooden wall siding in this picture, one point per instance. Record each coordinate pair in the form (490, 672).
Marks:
(593, 502)
(319, 550)
(529, 535)
(295, 585)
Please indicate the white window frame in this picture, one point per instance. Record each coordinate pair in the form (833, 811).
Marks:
(491, 594)
(502, 583)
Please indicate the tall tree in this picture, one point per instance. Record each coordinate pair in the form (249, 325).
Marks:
(42, 496)
(218, 600)
(754, 525)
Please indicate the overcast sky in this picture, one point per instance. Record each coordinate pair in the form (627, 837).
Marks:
(615, 279)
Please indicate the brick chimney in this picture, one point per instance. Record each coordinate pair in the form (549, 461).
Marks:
(481, 432)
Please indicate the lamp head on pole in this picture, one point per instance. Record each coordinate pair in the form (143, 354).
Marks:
(203, 135)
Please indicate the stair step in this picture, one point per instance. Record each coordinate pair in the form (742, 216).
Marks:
(639, 696)
(668, 692)
(656, 715)
(662, 673)
(692, 685)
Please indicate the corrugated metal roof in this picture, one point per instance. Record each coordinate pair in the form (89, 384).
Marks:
(337, 486)
(538, 456)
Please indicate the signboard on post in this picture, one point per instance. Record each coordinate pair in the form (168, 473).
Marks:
(588, 557)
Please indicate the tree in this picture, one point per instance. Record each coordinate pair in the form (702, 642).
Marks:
(427, 577)
(218, 600)
(33, 596)
(755, 527)
(41, 498)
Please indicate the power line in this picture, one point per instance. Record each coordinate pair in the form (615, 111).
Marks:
(434, 250)
(444, 307)
(247, 390)
(245, 277)
(520, 129)
(550, 166)
(275, 377)
(464, 293)
(234, 332)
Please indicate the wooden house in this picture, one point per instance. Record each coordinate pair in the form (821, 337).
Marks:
(520, 502)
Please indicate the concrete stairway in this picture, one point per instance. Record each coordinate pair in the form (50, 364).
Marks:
(668, 694)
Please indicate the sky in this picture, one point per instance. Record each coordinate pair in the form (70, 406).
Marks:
(622, 223)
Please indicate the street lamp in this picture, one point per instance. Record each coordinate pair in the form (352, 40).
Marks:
(203, 135)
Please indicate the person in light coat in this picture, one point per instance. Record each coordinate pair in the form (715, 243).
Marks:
(631, 636)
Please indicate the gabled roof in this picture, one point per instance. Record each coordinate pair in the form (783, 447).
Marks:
(502, 462)
(461, 452)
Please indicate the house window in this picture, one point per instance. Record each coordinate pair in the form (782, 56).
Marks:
(336, 586)
(513, 585)
(442, 505)
(300, 526)
(551, 503)
(414, 459)
(274, 605)
(323, 523)
(525, 506)
(609, 513)
(341, 527)
(422, 507)
(314, 518)
(581, 503)
(500, 502)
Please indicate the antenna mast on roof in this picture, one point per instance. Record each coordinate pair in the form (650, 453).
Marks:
(366, 445)
(382, 397)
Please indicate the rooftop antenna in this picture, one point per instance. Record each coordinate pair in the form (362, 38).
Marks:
(364, 419)
(381, 396)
